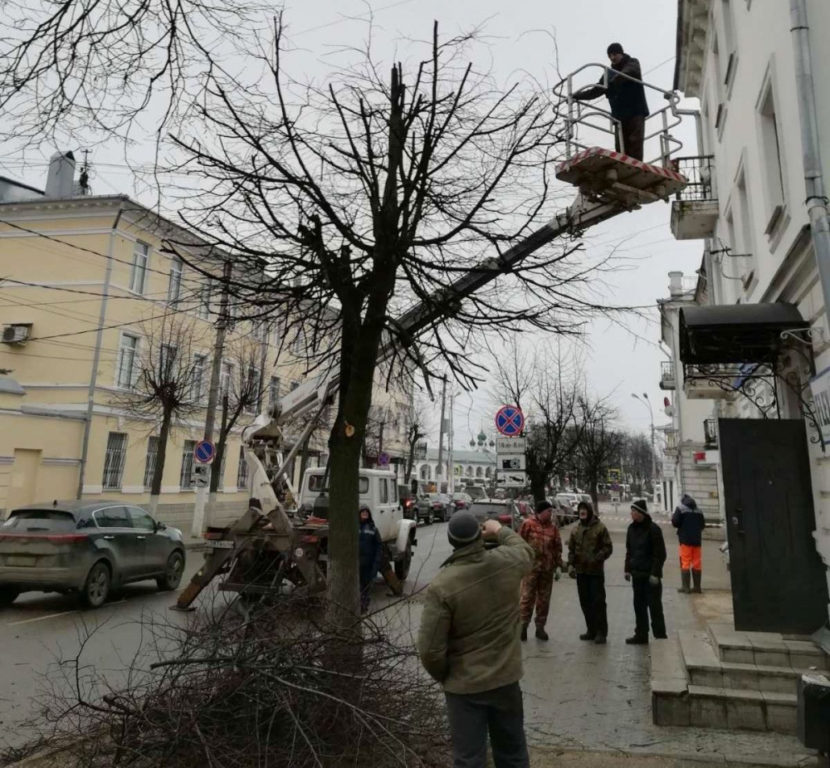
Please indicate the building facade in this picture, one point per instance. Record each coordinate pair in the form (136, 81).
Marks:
(88, 300)
(755, 348)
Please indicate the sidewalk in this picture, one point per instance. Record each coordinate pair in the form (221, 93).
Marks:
(584, 697)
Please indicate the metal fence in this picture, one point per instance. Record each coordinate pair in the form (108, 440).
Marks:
(699, 170)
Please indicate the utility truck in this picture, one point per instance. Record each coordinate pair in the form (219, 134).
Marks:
(268, 550)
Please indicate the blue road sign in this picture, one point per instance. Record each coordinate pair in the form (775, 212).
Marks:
(383, 460)
(510, 421)
(204, 452)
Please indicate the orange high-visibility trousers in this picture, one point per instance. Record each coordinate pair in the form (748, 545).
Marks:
(690, 558)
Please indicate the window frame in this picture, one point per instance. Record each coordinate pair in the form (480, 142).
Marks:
(174, 284)
(150, 459)
(107, 471)
(138, 272)
(120, 360)
(186, 478)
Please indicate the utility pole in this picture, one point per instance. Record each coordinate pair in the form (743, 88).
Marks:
(450, 438)
(213, 398)
(644, 399)
(440, 470)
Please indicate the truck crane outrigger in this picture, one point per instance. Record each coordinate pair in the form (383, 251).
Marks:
(264, 551)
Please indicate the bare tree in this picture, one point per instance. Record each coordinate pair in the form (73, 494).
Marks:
(546, 386)
(598, 443)
(166, 379)
(343, 206)
(417, 428)
(241, 391)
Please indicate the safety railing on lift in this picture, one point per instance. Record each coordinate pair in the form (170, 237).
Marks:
(581, 114)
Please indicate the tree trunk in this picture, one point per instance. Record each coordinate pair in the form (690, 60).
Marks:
(216, 474)
(161, 456)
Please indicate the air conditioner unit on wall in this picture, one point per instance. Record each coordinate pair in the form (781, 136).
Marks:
(16, 334)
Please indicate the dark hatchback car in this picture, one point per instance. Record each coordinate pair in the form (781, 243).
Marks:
(88, 548)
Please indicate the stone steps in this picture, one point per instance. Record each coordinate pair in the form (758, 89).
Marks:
(728, 679)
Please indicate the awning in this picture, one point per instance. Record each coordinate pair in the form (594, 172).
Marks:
(736, 333)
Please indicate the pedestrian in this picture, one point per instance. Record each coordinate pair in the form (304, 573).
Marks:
(369, 548)
(626, 97)
(645, 553)
(541, 533)
(588, 548)
(469, 641)
(689, 521)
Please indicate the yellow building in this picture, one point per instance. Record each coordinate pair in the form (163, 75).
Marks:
(85, 294)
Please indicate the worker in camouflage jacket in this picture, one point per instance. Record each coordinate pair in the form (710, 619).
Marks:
(541, 533)
(588, 548)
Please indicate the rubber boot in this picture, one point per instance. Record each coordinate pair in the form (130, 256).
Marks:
(685, 582)
(696, 577)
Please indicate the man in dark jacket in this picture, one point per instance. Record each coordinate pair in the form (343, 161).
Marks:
(369, 552)
(469, 641)
(645, 553)
(626, 97)
(689, 521)
(588, 548)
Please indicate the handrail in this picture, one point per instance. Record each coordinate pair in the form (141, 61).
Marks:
(577, 114)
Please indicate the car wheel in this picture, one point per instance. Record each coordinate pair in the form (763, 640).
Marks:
(97, 586)
(172, 572)
(8, 595)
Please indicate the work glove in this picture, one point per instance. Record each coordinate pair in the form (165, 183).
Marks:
(557, 574)
(628, 577)
(654, 581)
(572, 572)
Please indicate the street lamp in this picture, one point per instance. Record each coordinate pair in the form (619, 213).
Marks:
(645, 401)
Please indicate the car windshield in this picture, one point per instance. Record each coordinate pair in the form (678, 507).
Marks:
(48, 520)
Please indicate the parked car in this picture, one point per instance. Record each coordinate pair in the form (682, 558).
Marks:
(434, 506)
(88, 548)
(506, 511)
(462, 500)
(565, 504)
(476, 492)
(408, 502)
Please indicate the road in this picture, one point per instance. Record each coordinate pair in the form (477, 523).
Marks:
(577, 695)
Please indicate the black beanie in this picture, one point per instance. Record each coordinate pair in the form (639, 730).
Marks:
(543, 505)
(615, 48)
(640, 505)
(463, 529)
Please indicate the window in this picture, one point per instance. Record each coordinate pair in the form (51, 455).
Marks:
(260, 330)
(138, 273)
(771, 157)
(273, 391)
(242, 473)
(127, 349)
(384, 491)
(186, 477)
(167, 362)
(197, 378)
(114, 458)
(150, 460)
(204, 301)
(729, 48)
(225, 379)
(174, 287)
(112, 517)
(140, 519)
(252, 390)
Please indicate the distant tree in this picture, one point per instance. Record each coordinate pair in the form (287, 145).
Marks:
(599, 442)
(165, 380)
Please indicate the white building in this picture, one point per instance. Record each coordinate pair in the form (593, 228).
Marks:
(753, 350)
(476, 466)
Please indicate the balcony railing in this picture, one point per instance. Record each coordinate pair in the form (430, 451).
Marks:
(695, 208)
(710, 433)
(667, 378)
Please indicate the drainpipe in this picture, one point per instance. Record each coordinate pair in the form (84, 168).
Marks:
(814, 183)
(96, 357)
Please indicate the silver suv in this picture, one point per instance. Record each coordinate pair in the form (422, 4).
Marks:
(87, 548)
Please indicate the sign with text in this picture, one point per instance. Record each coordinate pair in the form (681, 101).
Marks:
(511, 444)
(511, 461)
(513, 479)
(820, 387)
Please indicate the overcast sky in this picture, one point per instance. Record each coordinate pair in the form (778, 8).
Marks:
(523, 37)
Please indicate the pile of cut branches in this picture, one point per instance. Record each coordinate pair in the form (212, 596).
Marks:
(274, 687)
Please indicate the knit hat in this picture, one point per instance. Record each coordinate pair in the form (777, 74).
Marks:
(543, 505)
(463, 529)
(640, 505)
(615, 48)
